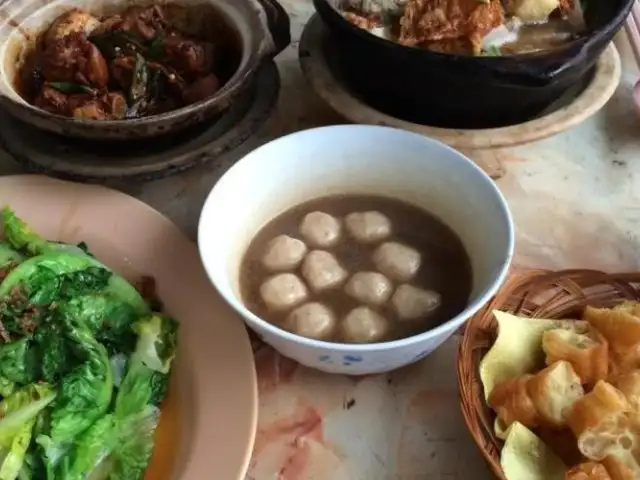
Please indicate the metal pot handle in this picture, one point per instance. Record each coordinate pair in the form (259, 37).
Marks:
(278, 24)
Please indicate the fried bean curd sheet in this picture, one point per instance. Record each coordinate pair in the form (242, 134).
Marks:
(526, 456)
(518, 348)
(426, 21)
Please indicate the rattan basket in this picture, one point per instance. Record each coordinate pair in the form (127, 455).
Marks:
(535, 293)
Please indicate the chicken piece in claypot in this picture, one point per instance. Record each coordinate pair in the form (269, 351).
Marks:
(120, 70)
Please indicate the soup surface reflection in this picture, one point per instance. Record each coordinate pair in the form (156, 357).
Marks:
(356, 269)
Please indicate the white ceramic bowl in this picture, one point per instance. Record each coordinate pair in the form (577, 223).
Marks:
(356, 159)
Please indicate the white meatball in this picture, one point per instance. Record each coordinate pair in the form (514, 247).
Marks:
(397, 261)
(412, 302)
(311, 320)
(320, 229)
(284, 253)
(372, 288)
(368, 227)
(321, 270)
(363, 325)
(282, 291)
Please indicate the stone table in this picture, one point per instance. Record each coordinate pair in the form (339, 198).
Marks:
(575, 200)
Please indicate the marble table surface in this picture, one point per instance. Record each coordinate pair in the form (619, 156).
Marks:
(575, 200)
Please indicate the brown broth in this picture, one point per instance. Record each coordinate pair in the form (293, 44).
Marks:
(445, 268)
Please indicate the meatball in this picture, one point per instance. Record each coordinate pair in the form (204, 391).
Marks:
(321, 270)
(371, 288)
(311, 320)
(75, 59)
(320, 229)
(368, 227)
(363, 325)
(397, 261)
(284, 253)
(412, 302)
(74, 21)
(283, 291)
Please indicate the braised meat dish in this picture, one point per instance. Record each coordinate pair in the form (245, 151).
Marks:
(470, 27)
(130, 65)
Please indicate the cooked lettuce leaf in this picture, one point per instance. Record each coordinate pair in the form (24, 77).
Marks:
(91, 455)
(7, 387)
(110, 319)
(8, 256)
(85, 393)
(21, 237)
(136, 435)
(19, 412)
(19, 361)
(68, 320)
(40, 280)
(147, 377)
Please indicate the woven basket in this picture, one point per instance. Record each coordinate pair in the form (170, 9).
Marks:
(535, 293)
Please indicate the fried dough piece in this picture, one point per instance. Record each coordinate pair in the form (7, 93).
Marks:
(629, 385)
(595, 407)
(621, 328)
(622, 469)
(629, 306)
(588, 471)
(597, 420)
(543, 399)
(431, 20)
(588, 353)
(563, 444)
(553, 391)
(511, 402)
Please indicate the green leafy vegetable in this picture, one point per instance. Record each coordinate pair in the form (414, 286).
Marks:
(84, 363)
(19, 412)
(135, 444)
(19, 236)
(155, 51)
(8, 257)
(68, 87)
(71, 274)
(147, 377)
(19, 361)
(140, 80)
(117, 42)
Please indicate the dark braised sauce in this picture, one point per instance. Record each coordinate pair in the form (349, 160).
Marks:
(445, 268)
(142, 61)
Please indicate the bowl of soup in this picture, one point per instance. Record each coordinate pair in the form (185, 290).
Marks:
(355, 249)
(467, 63)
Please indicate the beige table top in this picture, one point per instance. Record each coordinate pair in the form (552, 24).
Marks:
(576, 203)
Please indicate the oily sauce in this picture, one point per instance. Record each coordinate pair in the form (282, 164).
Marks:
(166, 447)
(445, 267)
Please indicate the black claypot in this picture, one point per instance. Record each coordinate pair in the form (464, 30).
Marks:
(457, 91)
